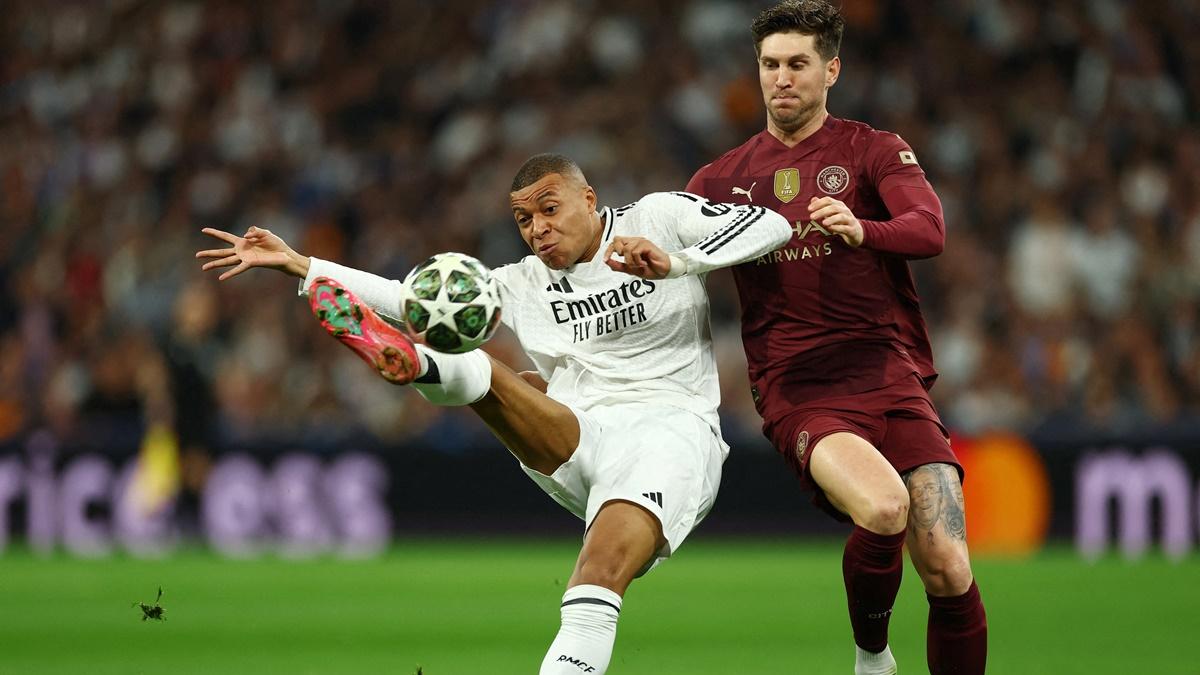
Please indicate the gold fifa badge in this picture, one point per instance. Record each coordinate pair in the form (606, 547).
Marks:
(787, 184)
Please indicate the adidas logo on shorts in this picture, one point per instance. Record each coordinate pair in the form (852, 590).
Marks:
(655, 497)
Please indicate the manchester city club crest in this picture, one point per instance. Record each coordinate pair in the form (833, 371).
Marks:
(787, 184)
(801, 446)
(833, 179)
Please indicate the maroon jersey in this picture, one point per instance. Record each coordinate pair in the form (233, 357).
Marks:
(820, 318)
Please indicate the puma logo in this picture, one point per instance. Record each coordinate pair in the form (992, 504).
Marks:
(745, 191)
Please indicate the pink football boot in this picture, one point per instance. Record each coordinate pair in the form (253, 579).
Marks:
(345, 317)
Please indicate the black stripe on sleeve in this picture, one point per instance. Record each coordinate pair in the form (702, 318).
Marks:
(590, 601)
(685, 195)
(715, 238)
(717, 234)
(758, 214)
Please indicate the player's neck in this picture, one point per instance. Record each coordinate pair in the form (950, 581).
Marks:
(594, 247)
(792, 138)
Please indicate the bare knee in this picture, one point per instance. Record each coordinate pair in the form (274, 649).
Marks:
(860, 482)
(946, 574)
(884, 514)
(619, 543)
(602, 573)
(611, 567)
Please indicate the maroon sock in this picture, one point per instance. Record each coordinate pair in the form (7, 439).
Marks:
(957, 638)
(872, 565)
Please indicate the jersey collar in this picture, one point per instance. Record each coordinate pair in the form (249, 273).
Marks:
(606, 219)
(817, 139)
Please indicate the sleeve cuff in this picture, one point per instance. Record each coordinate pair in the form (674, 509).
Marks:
(679, 266)
(314, 267)
(868, 227)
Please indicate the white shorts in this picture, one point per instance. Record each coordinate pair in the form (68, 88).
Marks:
(664, 459)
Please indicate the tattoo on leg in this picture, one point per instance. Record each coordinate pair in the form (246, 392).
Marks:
(925, 497)
(955, 516)
(936, 494)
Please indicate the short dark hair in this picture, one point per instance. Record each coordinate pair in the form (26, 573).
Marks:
(818, 18)
(539, 166)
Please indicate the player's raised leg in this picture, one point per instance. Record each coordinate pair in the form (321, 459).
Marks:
(857, 480)
(543, 434)
(539, 431)
(937, 541)
(622, 539)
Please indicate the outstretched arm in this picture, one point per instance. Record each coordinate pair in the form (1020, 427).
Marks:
(261, 248)
(258, 248)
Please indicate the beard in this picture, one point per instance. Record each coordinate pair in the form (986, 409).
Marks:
(788, 120)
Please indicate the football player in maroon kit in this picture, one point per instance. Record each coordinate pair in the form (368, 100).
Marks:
(839, 357)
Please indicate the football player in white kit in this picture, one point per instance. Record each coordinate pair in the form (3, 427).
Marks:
(619, 423)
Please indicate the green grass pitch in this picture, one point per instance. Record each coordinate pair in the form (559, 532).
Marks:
(480, 606)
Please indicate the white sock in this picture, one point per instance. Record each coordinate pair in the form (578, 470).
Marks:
(870, 663)
(584, 642)
(453, 379)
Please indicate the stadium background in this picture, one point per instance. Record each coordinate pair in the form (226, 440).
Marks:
(1063, 139)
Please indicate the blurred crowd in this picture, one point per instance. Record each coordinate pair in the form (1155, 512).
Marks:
(1063, 139)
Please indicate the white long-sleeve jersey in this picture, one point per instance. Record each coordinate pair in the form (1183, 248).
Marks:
(600, 337)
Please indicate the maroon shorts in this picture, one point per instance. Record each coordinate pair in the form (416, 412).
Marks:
(898, 419)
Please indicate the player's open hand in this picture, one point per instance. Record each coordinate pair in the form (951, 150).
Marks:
(641, 258)
(836, 217)
(259, 248)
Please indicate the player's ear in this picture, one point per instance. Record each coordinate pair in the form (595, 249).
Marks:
(589, 194)
(832, 70)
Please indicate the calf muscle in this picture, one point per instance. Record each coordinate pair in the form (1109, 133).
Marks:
(540, 431)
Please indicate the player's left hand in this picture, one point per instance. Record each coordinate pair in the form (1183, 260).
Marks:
(836, 217)
(642, 258)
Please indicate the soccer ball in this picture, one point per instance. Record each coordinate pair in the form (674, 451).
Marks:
(450, 303)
